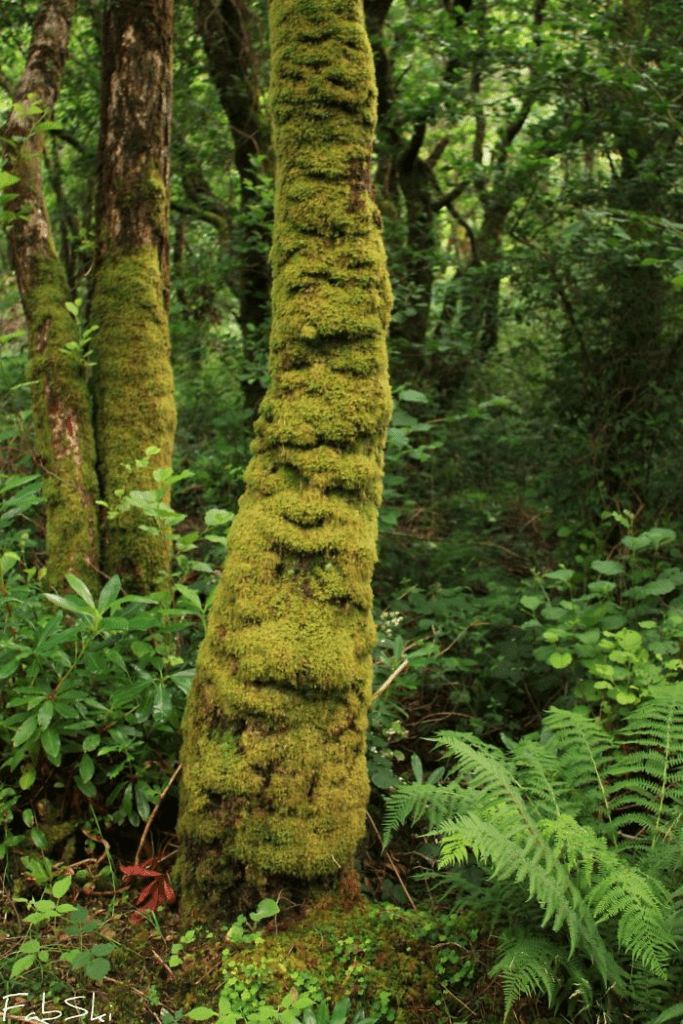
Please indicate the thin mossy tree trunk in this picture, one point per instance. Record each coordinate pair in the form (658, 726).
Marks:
(64, 438)
(133, 381)
(274, 786)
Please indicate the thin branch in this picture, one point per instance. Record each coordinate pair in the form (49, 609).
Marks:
(387, 682)
(454, 193)
(435, 154)
(392, 863)
(152, 816)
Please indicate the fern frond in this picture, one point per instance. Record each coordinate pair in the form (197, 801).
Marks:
(484, 771)
(643, 928)
(420, 801)
(672, 1013)
(584, 750)
(537, 770)
(653, 765)
(529, 966)
(518, 849)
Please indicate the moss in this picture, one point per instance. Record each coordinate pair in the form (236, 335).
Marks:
(64, 434)
(275, 782)
(135, 407)
(384, 959)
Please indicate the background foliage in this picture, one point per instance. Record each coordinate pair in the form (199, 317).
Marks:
(530, 583)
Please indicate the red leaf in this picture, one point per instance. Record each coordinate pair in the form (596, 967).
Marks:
(153, 902)
(146, 891)
(155, 893)
(137, 869)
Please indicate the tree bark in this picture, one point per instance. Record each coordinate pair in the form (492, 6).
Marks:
(226, 30)
(133, 383)
(275, 782)
(64, 436)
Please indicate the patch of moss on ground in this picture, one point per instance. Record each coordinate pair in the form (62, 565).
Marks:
(387, 960)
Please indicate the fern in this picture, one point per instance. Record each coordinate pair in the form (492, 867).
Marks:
(529, 965)
(588, 824)
(584, 750)
(651, 773)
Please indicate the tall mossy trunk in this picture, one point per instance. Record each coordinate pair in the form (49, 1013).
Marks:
(274, 784)
(64, 440)
(133, 381)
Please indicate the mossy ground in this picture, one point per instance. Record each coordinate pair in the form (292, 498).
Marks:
(402, 966)
(388, 961)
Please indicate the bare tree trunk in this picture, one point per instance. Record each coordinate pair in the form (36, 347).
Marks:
(275, 781)
(134, 401)
(64, 436)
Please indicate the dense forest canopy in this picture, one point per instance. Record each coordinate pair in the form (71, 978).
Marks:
(431, 748)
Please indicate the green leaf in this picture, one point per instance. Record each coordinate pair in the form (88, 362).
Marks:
(9, 558)
(411, 395)
(24, 963)
(103, 948)
(560, 575)
(45, 713)
(191, 596)
(109, 592)
(69, 605)
(266, 908)
(51, 743)
(97, 969)
(201, 1013)
(30, 946)
(61, 886)
(531, 602)
(86, 768)
(560, 659)
(25, 731)
(551, 636)
(7, 179)
(340, 1011)
(607, 567)
(81, 589)
(39, 838)
(218, 517)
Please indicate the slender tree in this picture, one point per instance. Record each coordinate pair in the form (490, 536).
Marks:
(227, 29)
(274, 783)
(64, 438)
(134, 401)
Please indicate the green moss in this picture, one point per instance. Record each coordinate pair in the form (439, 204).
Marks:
(64, 433)
(383, 958)
(135, 407)
(275, 781)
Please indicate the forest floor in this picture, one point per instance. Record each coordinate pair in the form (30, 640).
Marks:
(75, 947)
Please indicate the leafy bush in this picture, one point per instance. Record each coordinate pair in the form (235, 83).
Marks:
(93, 687)
(577, 832)
(619, 631)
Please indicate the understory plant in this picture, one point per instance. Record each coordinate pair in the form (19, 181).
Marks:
(570, 840)
(613, 625)
(93, 685)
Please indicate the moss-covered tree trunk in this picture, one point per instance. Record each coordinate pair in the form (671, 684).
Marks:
(274, 784)
(133, 382)
(64, 437)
